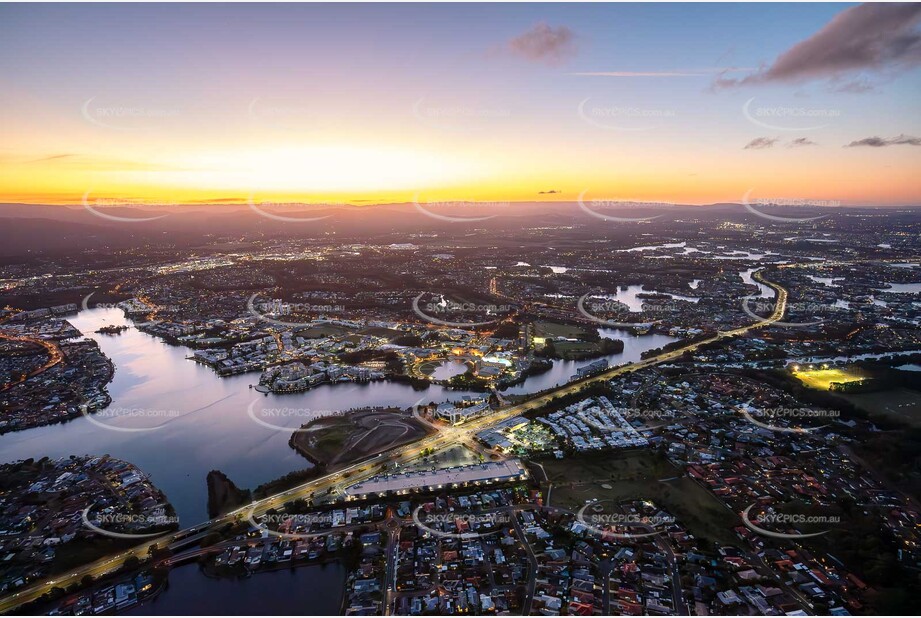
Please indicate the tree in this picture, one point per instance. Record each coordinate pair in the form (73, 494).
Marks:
(131, 563)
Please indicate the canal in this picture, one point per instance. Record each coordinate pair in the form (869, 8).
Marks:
(307, 590)
(177, 420)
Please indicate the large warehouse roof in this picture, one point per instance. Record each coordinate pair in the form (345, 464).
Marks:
(489, 471)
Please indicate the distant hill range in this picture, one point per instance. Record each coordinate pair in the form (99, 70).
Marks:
(30, 228)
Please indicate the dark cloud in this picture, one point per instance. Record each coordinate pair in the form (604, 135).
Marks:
(550, 192)
(880, 142)
(52, 158)
(868, 37)
(760, 143)
(801, 141)
(857, 86)
(544, 43)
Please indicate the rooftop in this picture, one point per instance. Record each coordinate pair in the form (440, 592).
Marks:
(489, 471)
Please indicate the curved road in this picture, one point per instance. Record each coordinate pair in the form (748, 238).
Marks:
(376, 464)
(55, 356)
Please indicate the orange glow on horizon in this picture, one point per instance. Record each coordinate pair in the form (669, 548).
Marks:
(363, 174)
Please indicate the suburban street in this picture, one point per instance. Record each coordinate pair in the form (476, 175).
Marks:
(376, 464)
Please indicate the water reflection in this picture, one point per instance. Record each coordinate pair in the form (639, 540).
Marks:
(764, 291)
(200, 422)
(630, 296)
(902, 288)
(448, 369)
(308, 590)
(634, 346)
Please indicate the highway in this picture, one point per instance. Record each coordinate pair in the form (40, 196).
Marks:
(376, 464)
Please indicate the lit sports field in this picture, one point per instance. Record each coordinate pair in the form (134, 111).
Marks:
(821, 379)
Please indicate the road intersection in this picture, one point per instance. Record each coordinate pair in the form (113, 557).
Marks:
(376, 464)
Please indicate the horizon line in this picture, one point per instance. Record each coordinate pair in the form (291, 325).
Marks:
(232, 202)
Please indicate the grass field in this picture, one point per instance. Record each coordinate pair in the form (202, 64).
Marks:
(645, 475)
(326, 330)
(821, 379)
(429, 367)
(568, 349)
(555, 329)
(898, 404)
(343, 439)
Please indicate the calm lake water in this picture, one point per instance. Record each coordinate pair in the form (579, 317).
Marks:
(903, 288)
(308, 590)
(562, 371)
(177, 420)
(628, 295)
(448, 369)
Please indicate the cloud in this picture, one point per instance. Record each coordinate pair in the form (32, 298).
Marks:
(639, 74)
(881, 142)
(550, 192)
(857, 86)
(52, 158)
(544, 43)
(865, 38)
(669, 73)
(760, 143)
(801, 141)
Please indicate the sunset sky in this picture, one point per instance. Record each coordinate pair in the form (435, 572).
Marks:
(525, 102)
